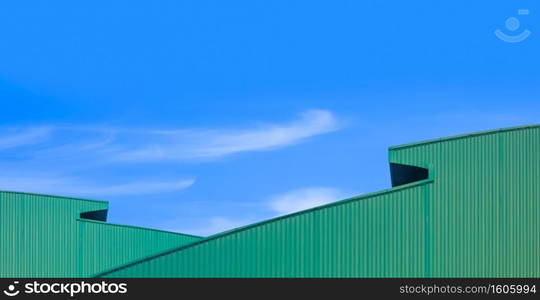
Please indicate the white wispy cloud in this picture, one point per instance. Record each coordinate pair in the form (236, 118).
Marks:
(200, 144)
(277, 205)
(132, 145)
(211, 226)
(74, 187)
(18, 137)
(305, 198)
(70, 151)
(136, 188)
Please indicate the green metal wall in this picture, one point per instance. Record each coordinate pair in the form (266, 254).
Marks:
(104, 245)
(38, 234)
(478, 215)
(41, 236)
(371, 236)
(484, 214)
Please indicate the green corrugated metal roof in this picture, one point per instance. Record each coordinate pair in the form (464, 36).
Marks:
(52, 197)
(269, 221)
(463, 136)
(292, 246)
(478, 216)
(43, 236)
(103, 245)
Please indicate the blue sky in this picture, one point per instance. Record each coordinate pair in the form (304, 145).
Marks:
(200, 116)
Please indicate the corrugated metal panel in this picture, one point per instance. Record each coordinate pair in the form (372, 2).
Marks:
(105, 245)
(372, 236)
(485, 212)
(40, 236)
(479, 218)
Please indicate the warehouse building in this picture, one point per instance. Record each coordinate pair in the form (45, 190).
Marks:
(50, 236)
(463, 206)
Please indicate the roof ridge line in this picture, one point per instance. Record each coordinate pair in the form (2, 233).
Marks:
(463, 136)
(54, 196)
(243, 228)
(137, 227)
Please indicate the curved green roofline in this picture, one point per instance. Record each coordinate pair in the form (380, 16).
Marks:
(272, 220)
(55, 196)
(463, 136)
(137, 227)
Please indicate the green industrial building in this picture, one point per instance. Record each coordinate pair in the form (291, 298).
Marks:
(463, 206)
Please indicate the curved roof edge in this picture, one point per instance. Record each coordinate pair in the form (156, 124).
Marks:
(462, 136)
(243, 228)
(138, 227)
(55, 196)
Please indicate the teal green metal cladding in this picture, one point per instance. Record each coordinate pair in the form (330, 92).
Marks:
(476, 215)
(362, 236)
(43, 236)
(484, 214)
(102, 245)
(465, 206)
(38, 234)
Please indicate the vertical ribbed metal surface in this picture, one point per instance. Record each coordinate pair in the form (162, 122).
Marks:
(374, 236)
(484, 215)
(479, 217)
(103, 245)
(38, 234)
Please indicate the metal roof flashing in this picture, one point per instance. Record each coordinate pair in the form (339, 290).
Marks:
(462, 136)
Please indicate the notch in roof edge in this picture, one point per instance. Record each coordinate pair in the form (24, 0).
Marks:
(404, 174)
(96, 215)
